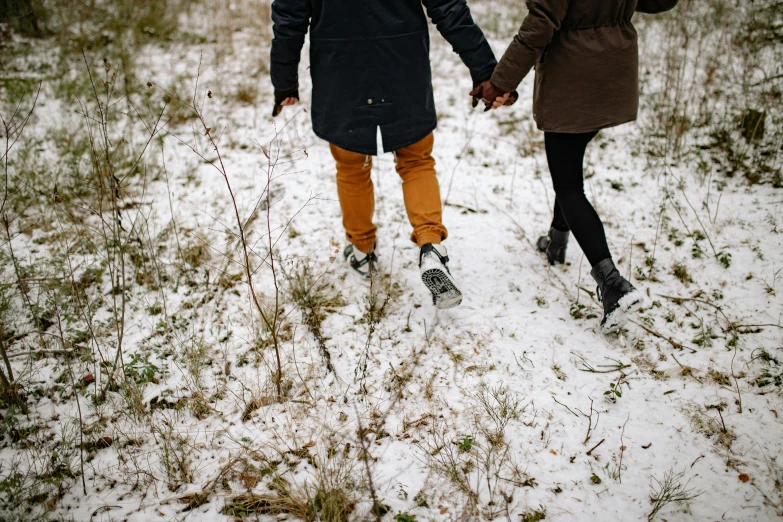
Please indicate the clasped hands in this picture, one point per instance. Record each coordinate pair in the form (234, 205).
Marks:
(491, 96)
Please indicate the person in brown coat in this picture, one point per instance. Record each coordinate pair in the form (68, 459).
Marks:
(587, 66)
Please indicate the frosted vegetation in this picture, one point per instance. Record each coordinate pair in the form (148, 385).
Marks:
(181, 340)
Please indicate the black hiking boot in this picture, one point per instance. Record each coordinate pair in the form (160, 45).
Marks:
(554, 245)
(618, 296)
(363, 264)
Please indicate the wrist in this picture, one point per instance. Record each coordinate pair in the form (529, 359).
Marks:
(500, 85)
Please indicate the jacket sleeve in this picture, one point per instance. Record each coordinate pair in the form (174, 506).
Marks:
(290, 21)
(542, 21)
(454, 22)
(655, 6)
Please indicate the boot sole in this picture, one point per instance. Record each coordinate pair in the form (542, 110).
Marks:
(444, 293)
(626, 306)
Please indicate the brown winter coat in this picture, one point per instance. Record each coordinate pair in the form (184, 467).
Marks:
(586, 60)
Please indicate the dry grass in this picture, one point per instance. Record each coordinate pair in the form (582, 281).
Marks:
(249, 504)
(94, 254)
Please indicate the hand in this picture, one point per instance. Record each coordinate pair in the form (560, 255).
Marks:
(508, 99)
(284, 99)
(492, 96)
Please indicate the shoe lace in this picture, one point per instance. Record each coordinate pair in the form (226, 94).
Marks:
(444, 261)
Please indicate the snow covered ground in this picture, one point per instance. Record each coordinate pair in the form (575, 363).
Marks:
(512, 405)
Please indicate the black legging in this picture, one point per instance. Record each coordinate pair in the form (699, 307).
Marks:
(565, 154)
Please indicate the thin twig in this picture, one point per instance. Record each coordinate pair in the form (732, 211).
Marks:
(78, 404)
(365, 456)
(270, 324)
(671, 341)
(590, 451)
(622, 450)
(566, 407)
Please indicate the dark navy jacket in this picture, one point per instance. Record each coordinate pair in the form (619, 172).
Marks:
(369, 61)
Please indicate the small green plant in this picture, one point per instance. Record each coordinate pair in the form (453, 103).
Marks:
(705, 337)
(680, 271)
(580, 311)
(141, 370)
(674, 237)
(534, 516)
(614, 392)
(404, 517)
(767, 378)
(595, 479)
(466, 444)
(725, 259)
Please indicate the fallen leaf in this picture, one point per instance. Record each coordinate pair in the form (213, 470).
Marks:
(442, 511)
(744, 477)
(553, 452)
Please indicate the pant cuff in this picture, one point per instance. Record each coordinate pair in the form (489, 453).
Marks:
(427, 237)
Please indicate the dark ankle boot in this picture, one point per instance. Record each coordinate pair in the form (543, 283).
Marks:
(554, 245)
(618, 296)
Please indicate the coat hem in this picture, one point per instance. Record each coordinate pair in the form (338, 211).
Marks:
(350, 148)
(406, 143)
(374, 152)
(581, 130)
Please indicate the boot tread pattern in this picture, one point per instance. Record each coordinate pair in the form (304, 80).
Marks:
(444, 293)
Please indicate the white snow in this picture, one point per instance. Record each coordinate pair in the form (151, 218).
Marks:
(514, 328)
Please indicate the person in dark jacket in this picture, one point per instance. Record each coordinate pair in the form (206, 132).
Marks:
(586, 60)
(369, 62)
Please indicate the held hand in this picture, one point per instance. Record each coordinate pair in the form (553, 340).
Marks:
(508, 99)
(485, 92)
(491, 96)
(284, 99)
